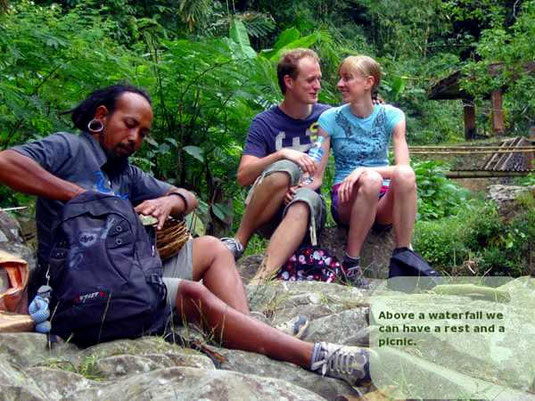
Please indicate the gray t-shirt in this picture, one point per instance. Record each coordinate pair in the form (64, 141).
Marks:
(81, 160)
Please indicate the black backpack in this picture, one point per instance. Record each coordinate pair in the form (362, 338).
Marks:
(105, 273)
(407, 263)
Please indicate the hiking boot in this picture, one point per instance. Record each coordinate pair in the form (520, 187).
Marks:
(353, 275)
(234, 246)
(295, 327)
(351, 364)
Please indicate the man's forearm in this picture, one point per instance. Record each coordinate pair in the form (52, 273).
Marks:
(185, 203)
(23, 174)
(252, 167)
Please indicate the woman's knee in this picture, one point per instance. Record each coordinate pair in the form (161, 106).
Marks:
(404, 177)
(370, 183)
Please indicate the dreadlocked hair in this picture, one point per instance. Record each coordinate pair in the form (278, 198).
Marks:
(85, 111)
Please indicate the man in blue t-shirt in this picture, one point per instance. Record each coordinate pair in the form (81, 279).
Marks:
(279, 205)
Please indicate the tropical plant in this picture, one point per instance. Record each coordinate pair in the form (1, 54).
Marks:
(48, 61)
(438, 197)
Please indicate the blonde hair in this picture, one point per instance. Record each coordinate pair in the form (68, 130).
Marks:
(364, 66)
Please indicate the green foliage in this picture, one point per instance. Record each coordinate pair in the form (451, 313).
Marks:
(479, 241)
(48, 59)
(526, 180)
(289, 39)
(238, 33)
(438, 197)
(402, 28)
(505, 60)
(209, 66)
(441, 242)
(206, 93)
(9, 198)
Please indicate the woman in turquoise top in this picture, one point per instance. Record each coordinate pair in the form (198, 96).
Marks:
(366, 189)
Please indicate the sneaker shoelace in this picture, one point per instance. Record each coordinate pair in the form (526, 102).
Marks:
(335, 360)
(356, 276)
(354, 271)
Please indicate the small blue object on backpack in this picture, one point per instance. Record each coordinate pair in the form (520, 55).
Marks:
(105, 274)
(40, 312)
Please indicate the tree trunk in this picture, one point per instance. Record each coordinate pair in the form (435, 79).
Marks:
(497, 112)
(469, 108)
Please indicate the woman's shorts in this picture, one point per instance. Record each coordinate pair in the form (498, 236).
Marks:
(335, 200)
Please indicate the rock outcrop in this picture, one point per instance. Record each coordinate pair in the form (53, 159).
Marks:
(11, 240)
(506, 195)
(150, 368)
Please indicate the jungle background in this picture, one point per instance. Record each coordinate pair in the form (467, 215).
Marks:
(210, 67)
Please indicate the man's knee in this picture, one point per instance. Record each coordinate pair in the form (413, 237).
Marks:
(213, 245)
(299, 211)
(275, 182)
(287, 167)
(309, 203)
(404, 177)
(191, 291)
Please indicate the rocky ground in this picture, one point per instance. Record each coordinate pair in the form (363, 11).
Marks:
(153, 369)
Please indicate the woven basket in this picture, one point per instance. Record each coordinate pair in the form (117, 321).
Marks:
(170, 239)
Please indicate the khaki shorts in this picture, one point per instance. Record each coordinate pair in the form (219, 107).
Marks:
(315, 202)
(176, 269)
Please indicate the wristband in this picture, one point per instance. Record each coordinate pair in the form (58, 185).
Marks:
(183, 197)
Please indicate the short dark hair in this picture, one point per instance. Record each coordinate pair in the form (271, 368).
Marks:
(85, 111)
(288, 64)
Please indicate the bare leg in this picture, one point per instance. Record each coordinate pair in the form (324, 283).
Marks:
(214, 264)
(399, 205)
(285, 240)
(360, 211)
(266, 201)
(195, 303)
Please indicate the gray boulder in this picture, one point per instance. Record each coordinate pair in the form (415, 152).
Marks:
(186, 384)
(376, 251)
(11, 240)
(59, 384)
(250, 363)
(505, 197)
(15, 385)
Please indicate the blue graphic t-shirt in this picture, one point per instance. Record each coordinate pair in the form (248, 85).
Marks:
(359, 142)
(273, 130)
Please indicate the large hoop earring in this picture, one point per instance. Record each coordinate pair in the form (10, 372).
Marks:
(95, 126)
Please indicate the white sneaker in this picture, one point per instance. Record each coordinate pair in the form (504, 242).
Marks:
(343, 362)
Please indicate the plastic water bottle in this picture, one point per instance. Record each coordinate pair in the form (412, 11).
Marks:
(316, 153)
